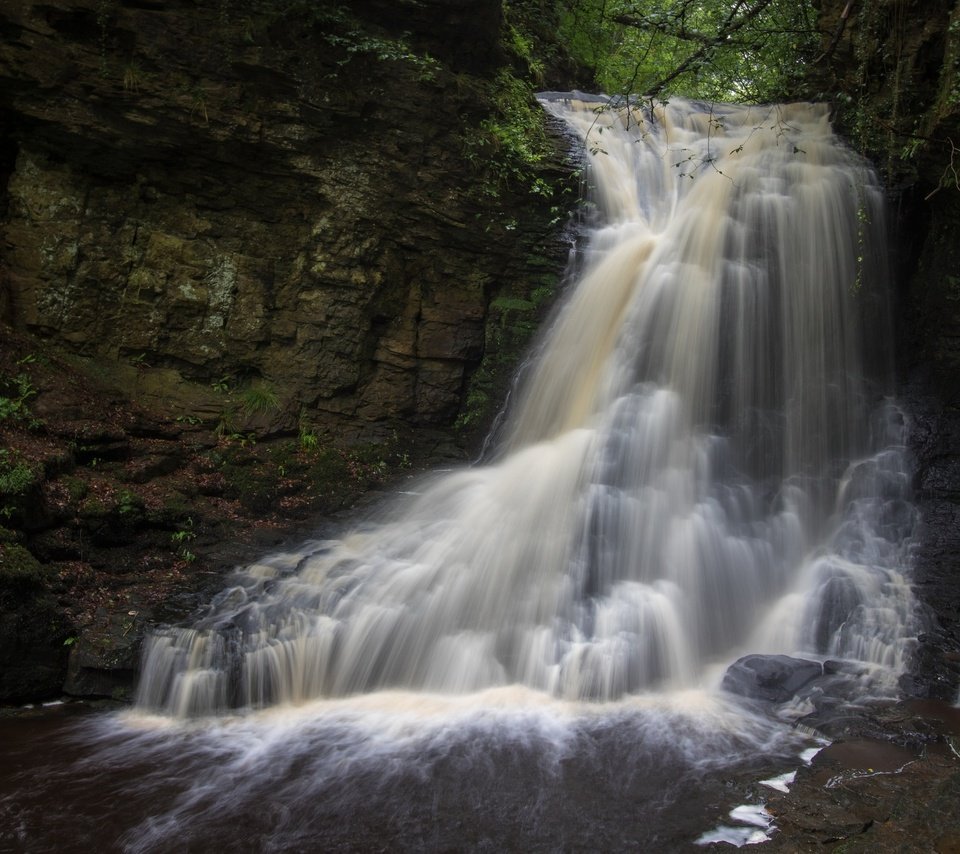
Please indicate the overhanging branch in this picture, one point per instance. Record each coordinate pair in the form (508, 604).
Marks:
(733, 23)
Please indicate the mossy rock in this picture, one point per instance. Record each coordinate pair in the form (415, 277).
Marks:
(93, 509)
(328, 468)
(21, 498)
(253, 488)
(33, 657)
(172, 515)
(20, 574)
(129, 507)
(77, 488)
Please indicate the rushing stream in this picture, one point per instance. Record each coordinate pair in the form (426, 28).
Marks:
(702, 463)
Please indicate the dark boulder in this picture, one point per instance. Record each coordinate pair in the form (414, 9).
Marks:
(773, 678)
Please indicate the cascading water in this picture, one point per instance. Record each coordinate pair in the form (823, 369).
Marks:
(702, 462)
(526, 655)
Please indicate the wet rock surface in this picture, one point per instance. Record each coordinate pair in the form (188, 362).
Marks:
(251, 267)
(197, 197)
(114, 522)
(877, 794)
(770, 678)
(936, 446)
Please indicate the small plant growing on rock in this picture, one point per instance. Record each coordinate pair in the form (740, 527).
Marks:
(222, 385)
(13, 402)
(132, 77)
(259, 400)
(15, 475)
(309, 440)
(181, 538)
(129, 503)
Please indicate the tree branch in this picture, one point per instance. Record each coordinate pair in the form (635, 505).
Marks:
(731, 25)
(680, 32)
(837, 33)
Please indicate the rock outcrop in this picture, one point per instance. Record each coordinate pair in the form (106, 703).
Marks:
(770, 678)
(892, 71)
(270, 197)
(253, 261)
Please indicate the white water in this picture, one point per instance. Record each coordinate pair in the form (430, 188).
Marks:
(702, 463)
(505, 769)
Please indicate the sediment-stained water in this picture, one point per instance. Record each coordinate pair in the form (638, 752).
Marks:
(702, 462)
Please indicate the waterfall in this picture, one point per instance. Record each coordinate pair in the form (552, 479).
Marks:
(703, 461)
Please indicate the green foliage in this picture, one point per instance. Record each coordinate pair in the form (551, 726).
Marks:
(505, 304)
(20, 574)
(259, 400)
(353, 469)
(228, 434)
(522, 45)
(859, 113)
(479, 398)
(180, 540)
(356, 41)
(517, 128)
(512, 142)
(339, 27)
(724, 50)
(309, 441)
(77, 488)
(748, 51)
(892, 114)
(16, 476)
(518, 320)
(129, 504)
(14, 393)
(863, 226)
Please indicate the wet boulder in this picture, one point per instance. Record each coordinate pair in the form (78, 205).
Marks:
(772, 678)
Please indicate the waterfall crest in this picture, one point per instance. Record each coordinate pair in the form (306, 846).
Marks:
(702, 461)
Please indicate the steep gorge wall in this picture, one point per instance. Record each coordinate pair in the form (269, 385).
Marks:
(252, 219)
(892, 70)
(266, 197)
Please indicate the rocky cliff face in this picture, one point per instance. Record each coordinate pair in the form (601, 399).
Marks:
(900, 64)
(266, 198)
(223, 221)
(892, 68)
